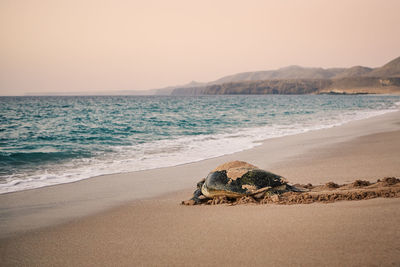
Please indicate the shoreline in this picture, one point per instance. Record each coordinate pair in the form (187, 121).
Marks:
(36, 208)
(136, 218)
(253, 142)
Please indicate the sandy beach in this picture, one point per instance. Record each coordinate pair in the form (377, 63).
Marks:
(136, 218)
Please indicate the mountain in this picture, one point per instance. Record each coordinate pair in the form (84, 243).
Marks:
(168, 90)
(301, 80)
(261, 87)
(391, 69)
(288, 80)
(355, 71)
(290, 72)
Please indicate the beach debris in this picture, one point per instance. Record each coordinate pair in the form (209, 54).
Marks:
(331, 185)
(361, 183)
(239, 180)
(358, 190)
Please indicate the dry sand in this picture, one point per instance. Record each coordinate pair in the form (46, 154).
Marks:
(57, 225)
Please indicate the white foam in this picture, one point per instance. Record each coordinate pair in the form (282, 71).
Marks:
(165, 153)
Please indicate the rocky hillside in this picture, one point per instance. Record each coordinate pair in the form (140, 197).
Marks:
(350, 85)
(391, 69)
(355, 71)
(293, 86)
(291, 72)
(299, 80)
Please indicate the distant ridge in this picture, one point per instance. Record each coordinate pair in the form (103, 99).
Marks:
(301, 80)
(290, 72)
(287, 80)
(391, 69)
(355, 71)
(168, 90)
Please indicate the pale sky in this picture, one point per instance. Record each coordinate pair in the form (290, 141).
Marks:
(67, 46)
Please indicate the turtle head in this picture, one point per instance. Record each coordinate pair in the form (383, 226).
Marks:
(197, 193)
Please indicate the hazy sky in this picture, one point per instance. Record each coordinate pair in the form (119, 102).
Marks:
(64, 46)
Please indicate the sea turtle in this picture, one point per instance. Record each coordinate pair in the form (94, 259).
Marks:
(237, 179)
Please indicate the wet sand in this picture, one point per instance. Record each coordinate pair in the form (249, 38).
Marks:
(101, 223)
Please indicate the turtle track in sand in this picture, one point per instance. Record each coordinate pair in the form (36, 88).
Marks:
(388, 187)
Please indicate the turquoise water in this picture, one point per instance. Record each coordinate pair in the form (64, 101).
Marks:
(52, 140)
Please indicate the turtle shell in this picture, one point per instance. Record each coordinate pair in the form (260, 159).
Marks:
(237, 179)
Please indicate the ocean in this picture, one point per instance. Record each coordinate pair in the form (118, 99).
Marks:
(59, 139)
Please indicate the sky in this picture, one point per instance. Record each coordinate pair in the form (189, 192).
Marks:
(75, 46)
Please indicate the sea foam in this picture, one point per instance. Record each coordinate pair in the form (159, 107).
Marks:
(161, 146)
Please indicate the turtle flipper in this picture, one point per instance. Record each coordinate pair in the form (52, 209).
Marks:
(296, 189)
(260, 193)
(198, 196)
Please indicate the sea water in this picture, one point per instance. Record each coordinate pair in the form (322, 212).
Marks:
(51, 140)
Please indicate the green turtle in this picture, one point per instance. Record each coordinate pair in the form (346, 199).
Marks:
(237, 179)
